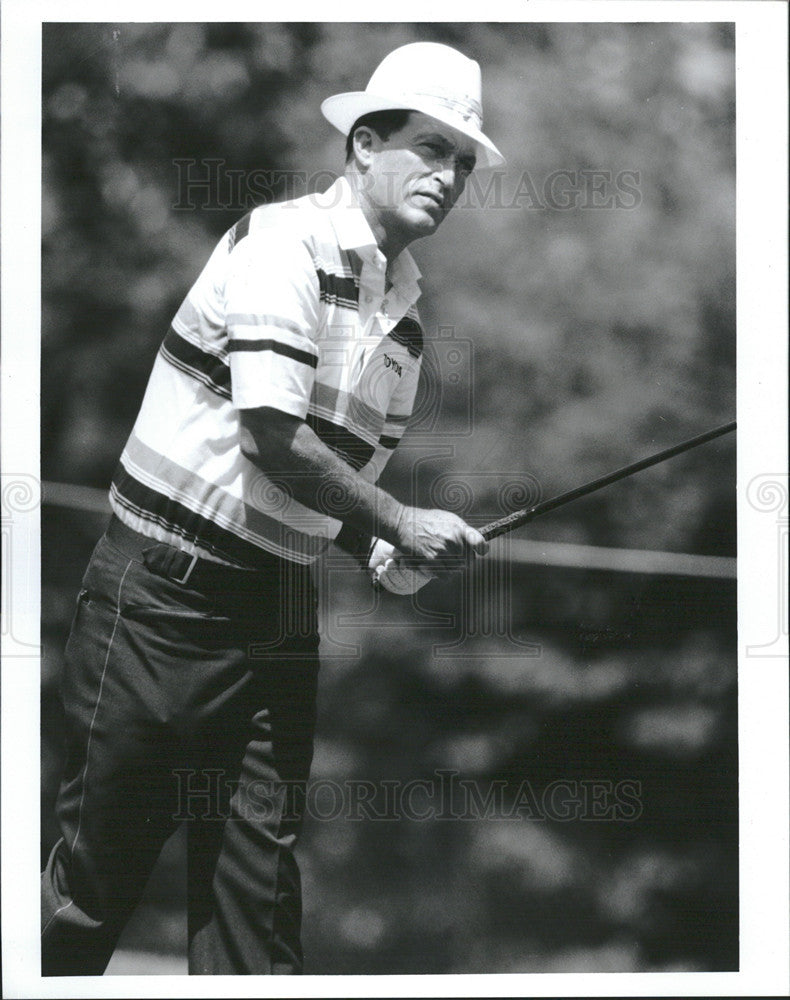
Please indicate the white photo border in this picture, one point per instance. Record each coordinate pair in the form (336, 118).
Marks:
(761, 61)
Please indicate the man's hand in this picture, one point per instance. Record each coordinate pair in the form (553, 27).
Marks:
(389, 571)
(283, 446)
(436, 540)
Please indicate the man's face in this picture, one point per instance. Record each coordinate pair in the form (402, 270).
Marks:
(416, 175)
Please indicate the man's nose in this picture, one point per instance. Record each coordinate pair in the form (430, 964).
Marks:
(445, 169)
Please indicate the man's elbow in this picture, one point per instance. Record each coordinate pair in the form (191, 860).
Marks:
(266, 436)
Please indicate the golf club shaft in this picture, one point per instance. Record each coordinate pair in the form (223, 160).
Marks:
(526, 514)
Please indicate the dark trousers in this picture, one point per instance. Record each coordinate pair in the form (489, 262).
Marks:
(186, 703)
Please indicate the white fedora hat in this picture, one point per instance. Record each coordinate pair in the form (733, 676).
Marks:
(423, 76)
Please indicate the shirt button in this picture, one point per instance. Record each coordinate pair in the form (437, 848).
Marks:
(368, 298)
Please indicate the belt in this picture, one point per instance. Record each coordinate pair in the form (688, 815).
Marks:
(200, 574)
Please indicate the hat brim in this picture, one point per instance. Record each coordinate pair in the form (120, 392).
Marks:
(342, 110)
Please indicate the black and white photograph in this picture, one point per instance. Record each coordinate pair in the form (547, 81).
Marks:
(395, 501)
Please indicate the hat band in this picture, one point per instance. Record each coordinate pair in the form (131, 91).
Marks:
(468, 110)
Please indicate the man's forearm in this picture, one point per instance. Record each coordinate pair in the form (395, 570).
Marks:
(293, 455)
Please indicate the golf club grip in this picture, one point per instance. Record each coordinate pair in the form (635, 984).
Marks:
(526, 514)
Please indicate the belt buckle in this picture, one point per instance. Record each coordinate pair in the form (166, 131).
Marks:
(188, 572)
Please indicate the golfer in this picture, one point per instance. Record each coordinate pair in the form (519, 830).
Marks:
(280, 391)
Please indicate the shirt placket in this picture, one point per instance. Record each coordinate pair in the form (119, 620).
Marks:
(371, 290)
(371, 293)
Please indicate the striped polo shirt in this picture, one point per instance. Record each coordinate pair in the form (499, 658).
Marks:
(291, 312)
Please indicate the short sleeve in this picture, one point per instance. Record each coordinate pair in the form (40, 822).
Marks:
(271, 313)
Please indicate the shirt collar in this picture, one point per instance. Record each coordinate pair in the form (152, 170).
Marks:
(353, 233)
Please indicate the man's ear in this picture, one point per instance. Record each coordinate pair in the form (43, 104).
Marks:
(362, 145)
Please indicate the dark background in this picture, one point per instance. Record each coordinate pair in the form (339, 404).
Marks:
(576, 321)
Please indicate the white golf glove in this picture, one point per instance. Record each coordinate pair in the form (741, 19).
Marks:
(388, 571)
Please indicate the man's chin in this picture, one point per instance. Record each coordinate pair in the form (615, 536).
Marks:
(425, 221)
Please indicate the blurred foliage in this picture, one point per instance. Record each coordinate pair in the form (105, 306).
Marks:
(595, 334)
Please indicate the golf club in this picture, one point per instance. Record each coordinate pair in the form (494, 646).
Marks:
(519, 517)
